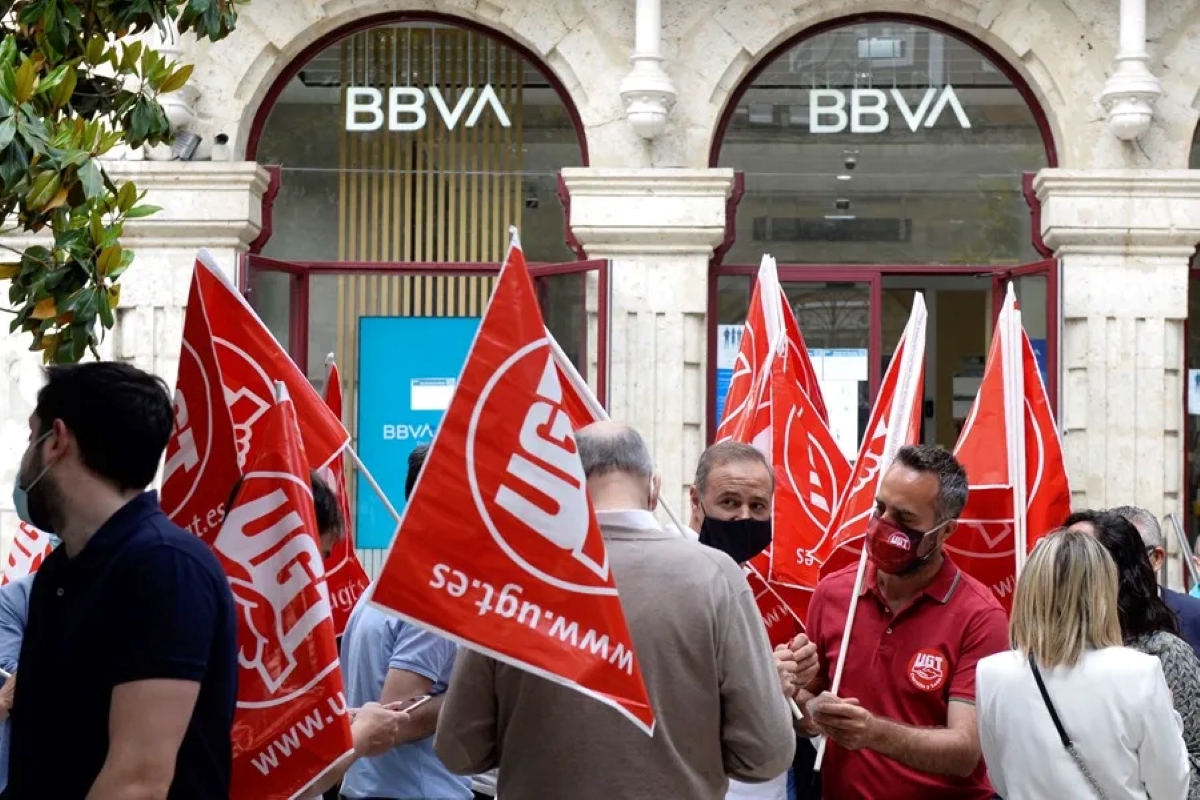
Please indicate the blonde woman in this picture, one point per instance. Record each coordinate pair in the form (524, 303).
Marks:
(1101, 725)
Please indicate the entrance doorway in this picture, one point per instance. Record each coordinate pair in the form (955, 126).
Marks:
(852, 319)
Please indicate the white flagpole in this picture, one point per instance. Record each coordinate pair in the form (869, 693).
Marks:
(593, 404)
(906, 388)
(1015, 432)
(362, 468)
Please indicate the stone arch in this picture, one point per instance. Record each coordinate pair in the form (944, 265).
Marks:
(235, 76)
(1063, 82)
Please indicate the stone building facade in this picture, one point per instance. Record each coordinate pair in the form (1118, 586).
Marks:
(663, 146)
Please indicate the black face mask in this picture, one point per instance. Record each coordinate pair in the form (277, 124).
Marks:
(740, 539)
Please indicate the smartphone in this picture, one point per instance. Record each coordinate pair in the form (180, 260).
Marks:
(413, 703)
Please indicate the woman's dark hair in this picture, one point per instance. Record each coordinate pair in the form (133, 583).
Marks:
(1139, 602)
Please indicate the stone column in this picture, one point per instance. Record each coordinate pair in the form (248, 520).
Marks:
(217, 206)
(658, 227)
(1124, 239)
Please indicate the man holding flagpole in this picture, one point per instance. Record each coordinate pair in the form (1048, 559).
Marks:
(902, 725)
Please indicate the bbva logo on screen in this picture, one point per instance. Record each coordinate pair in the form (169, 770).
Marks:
(406, 432)
(405, 108)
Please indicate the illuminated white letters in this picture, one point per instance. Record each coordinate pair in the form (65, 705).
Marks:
(866, 110)
(406, 109)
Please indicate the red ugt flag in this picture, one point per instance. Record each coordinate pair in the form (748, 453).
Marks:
(201, 460)
(895, 421)
(28, 550)
(251, 360)
(345, 575)
(1001, 432)
(290, 726)
(519, 571)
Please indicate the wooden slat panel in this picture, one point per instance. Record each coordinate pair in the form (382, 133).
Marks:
(431, 195)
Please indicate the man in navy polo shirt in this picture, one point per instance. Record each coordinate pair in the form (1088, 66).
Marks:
(129, 661)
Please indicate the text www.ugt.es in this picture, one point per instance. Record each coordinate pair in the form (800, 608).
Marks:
(507, 604)
(304, 730)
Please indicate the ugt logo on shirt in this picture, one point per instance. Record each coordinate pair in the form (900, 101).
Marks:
(927, 669)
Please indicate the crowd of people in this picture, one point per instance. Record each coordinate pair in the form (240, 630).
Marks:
(125, 642)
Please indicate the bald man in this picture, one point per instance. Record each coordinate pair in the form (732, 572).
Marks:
(703, 652)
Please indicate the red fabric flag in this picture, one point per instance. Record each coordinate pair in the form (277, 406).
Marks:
(984, 543)
(201, 464)
(810, 474)
(895, 421)
(28, 550)
(291, 724)
(251, 360)
(343, 572)
(769, 316)
(519, 571)
(781, 621)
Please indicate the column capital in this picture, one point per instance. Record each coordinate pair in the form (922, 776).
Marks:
(623, 212)
(1150, 213)
(210, 204)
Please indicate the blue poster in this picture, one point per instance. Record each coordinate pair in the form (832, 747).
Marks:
(1041, 354)
(407, 370)
(729, 341)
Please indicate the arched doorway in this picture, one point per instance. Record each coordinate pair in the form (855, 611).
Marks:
(883, 155)
(406, 146)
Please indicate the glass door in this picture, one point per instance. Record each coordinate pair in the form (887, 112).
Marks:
(574, 299)
(836, 310)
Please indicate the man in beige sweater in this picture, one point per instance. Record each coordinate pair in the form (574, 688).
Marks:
(702, 649)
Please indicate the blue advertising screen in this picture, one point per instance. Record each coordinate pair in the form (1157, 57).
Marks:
(407, 370)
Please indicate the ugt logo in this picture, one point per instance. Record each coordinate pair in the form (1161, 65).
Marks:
(927, 669)
(276, 574)
(540, 489)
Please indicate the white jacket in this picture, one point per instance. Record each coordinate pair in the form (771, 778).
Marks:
(1114, 705)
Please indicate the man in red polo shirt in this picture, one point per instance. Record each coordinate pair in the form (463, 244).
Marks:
(903, 724)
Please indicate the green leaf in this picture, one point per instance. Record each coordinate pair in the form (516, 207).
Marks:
(127, 196)
(26, 80)
(8, 50)
(92, 179)
(43, 190)
(129, 58)
(94, 53)
(66, 89)
(54, 79)
(8, 129)
(177, 80)
(137, 212)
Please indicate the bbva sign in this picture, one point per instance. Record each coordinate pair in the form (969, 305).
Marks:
(868, 110)
(405, 109)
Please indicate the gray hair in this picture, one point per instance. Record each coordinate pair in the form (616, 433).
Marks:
(729, 452)
(1146, 524)
(613, 450)
(951, 477)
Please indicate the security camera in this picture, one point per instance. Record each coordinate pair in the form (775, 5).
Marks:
(851, 162)
(220, 148)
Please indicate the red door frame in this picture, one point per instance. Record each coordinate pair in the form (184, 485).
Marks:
(300, 271)
(873, 275)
